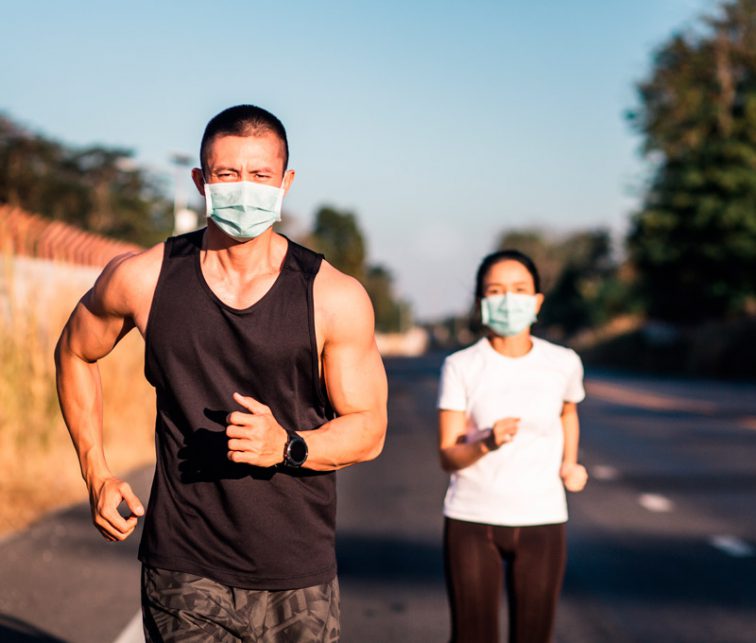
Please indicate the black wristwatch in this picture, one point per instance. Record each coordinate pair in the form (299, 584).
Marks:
(295, 451)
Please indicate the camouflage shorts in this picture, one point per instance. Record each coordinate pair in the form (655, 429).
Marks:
(183, 607)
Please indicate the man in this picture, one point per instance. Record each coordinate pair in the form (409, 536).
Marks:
(267, 378)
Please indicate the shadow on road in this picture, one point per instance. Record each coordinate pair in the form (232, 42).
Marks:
(374, 558)
(659, 570)
(413, 367)
(13, 630)
(74, 534)
(715, 482)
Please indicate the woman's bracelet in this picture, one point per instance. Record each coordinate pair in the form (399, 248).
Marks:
(490, 441)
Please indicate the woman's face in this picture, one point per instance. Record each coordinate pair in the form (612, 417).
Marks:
(509, 276)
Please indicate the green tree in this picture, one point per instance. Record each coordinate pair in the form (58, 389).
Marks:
(545, 252)
(694, 241)
(391, 314)
(582, 281)
(584, 290)
(96, 188)
(338, 236)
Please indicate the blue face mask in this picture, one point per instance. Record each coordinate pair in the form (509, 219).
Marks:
(243, 209)
(509, 314)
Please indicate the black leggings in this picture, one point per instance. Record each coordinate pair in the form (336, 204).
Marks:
(535, 558)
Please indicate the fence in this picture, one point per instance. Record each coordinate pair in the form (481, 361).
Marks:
(28, 235)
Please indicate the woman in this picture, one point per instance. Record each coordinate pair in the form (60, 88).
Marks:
(509, 431)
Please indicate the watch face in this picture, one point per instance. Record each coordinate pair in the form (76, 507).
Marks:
(297, 450)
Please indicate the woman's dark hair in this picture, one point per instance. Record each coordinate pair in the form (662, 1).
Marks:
(505, 255)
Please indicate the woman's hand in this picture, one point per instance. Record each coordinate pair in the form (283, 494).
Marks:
(502, 432)
(454, 448)
(574, 476)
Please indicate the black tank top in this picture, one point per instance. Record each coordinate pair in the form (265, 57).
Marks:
(243, 526)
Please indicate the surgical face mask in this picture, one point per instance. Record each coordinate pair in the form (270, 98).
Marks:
(509, 314)
(243, 209)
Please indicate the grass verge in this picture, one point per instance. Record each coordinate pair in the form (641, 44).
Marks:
(38, 466)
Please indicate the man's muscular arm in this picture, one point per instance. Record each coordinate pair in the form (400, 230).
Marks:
(355, 380)
(101, 318)
(354, 375)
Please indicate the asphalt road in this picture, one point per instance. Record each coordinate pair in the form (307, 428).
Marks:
(662, 544)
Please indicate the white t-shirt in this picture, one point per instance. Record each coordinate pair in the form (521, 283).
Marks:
(518, 484)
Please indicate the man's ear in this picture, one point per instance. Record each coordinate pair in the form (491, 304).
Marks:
(288, 180)
(199, 180)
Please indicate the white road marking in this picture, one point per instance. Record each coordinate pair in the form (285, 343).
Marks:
(604, 472)
(656, 503)
(732, 546)
(630, 395)
(133, 632)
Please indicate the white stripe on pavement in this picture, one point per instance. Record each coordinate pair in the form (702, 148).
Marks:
(133, 632)
(732, 546)
(656, 503)
(604, 472)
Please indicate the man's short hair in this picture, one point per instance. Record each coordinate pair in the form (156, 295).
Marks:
(243, 120)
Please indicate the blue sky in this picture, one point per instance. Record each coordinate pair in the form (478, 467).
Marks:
(440, 124)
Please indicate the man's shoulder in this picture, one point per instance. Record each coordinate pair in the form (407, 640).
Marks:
(129, 277)
(136, 266)
(342, 307)
(335, 286)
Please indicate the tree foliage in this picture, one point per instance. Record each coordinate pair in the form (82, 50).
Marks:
(579, 277)
(338, 236)
(694, 241)
(97, 188)
(545, 253)
(391, 313)
(586, 292)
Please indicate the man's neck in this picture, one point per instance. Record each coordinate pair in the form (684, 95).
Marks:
(262, 255)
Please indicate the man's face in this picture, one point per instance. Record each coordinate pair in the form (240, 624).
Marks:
(258, 158)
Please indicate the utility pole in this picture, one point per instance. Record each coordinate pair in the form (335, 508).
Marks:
(184, 219)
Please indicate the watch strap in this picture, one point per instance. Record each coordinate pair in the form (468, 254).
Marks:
(295, 450)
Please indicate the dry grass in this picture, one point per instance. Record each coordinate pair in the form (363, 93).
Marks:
(38, 466)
